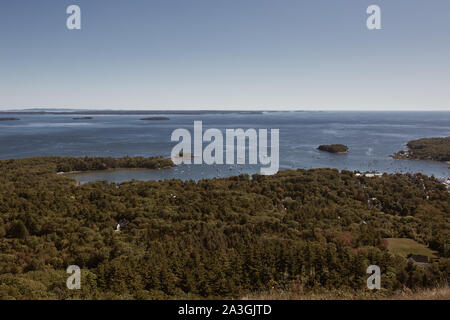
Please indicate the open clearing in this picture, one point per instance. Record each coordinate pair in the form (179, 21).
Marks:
(404, 246)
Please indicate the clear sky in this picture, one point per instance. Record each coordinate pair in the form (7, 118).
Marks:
(225, 54)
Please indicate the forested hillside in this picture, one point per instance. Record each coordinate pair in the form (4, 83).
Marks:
(222, 238)
(437, 149)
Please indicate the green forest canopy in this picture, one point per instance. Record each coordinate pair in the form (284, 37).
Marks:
(220, 238)
(437, 149)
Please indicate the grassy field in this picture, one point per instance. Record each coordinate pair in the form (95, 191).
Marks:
(403, 247)
(441, 293)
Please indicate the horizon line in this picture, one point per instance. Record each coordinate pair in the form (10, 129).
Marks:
(159, 109)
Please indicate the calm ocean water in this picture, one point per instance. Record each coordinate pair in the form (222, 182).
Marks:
(371, 137)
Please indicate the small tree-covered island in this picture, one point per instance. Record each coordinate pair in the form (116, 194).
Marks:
(155, 118)
(334, 148)
(304, 232)
(82, 118)
(437, 149)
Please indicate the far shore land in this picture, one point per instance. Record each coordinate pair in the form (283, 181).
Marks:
(61, 173)
(86, 165)
(435, 149)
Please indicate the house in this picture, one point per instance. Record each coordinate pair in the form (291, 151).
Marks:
(122, 223)
(418, 260)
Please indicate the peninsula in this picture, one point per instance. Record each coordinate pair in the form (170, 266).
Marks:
(70, 164)
(437, 149)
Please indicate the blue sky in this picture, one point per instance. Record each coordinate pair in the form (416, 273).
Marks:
(225, 54)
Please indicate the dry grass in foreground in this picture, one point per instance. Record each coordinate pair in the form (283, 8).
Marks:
(442, 293)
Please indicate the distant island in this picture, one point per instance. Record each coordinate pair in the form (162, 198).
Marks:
(155, 118)
(9, 119)
(82, 118)
(437, 149)
(333, 148)
(83, 112)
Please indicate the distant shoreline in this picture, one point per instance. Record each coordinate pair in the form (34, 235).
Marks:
(193, 111)
(110, 170)
(132, 112)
